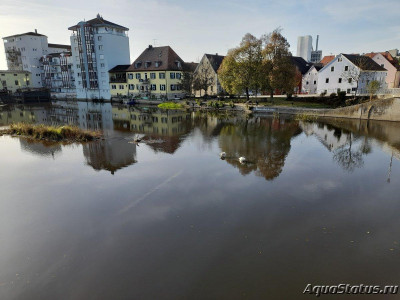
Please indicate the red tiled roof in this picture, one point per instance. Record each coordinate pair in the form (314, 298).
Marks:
(327, 59)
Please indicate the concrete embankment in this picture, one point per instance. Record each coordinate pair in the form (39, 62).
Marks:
(380, 110)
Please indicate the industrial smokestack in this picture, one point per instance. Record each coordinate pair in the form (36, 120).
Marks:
(316, 46)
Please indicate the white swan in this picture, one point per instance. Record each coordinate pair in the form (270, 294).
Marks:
(222, 155)
(242, 160)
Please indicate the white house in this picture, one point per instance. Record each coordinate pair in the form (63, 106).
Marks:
(23, 52)
(310, 80)
(97, 46)
(350, 73)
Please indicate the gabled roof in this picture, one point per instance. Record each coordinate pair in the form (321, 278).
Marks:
(386, 55)
(98, 22)
(215, 60)
(300, 63)
(119, 68)
(365, 63)
(327, 59)
(26, 33)
(164, 56)
(59, 46)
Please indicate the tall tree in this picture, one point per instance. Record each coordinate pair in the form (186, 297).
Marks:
(187, 82)
(241, 70)
(282, 75)
(203, 79)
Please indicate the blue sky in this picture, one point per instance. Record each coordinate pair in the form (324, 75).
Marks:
(193, 28)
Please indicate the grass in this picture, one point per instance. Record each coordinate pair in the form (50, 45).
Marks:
(170, 105)
(53, 133)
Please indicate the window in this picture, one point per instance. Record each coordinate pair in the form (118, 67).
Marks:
(348, 91)
(161, 75)
(102, 65)
(158, 63)
(153, 87)
(152, 75)
(346, 68)
(114, 87)
(315, 82)
(306, 82)
(101, 56)
(172, 75)
(100, 47)
(332, 69)
(340, 80)
(327, 80)
(121, 86)
(138, 76)
(179, 87)
(350, 80)
(173, 87)
(130, 76)
(99, 38)
(131, 86)
(178, 75)
(16, 82)
(162, 87)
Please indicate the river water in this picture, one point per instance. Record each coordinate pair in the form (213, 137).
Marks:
(316, 203)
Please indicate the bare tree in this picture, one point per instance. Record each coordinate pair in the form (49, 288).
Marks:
(355, 71)
(372, 88)
(203, 79)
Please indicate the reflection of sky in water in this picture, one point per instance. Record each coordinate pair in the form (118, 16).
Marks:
(184, 224)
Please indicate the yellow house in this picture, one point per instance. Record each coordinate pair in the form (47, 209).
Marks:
(14, 80)
(155, 74)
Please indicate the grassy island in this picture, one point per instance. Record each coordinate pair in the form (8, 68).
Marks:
(170, 105)
(52, 133)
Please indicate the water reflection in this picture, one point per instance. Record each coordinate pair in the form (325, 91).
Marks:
(323, 217)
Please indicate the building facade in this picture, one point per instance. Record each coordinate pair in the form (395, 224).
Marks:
(310, 80)
(12, 81)
(304, 47)
(350, 73)
(155, 74)
(23, 52)
(387, 61)
(97, 46)
(57, 74)
(208, 67)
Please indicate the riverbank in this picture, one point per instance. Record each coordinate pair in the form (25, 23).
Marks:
(380, 110)
(51, 133)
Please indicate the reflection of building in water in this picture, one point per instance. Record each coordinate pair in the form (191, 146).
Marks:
(111, 154)
(166, 126)
(265, 142)
(41, 148)
(331, 137)
(25, 114)
(95, 116)
(86, 115)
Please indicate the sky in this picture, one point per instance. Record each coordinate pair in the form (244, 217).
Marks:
(193, 27)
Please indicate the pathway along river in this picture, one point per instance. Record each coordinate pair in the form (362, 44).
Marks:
(168, 219)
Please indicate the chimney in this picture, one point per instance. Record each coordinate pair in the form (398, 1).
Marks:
(150, 46)
(216, 54)
(316, 46)
(35, 30)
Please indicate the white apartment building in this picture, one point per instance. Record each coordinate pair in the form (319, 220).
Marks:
(23, 52)
(304, 47)
(350, 73)
(97, 46)
(57, 74)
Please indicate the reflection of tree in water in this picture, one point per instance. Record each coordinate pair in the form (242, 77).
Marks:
(265, 143)
(348, 158)
(41, 148)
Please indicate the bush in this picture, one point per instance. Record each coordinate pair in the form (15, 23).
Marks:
(333, 95)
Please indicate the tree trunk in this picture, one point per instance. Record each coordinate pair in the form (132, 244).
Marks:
(271, 95)
(247, 94)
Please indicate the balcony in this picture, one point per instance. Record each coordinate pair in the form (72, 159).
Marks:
(118, 79)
